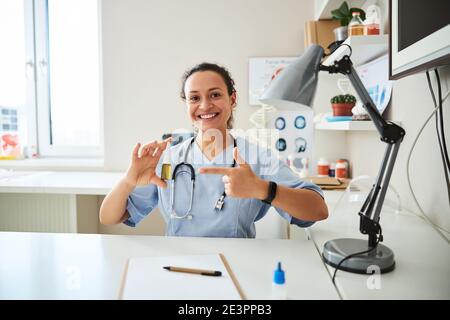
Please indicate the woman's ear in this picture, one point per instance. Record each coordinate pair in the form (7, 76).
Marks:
(233, 99)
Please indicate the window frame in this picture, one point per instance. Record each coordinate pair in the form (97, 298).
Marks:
(30, 68)
(42, 111)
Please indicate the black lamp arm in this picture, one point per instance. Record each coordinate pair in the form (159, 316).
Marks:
(390, 133)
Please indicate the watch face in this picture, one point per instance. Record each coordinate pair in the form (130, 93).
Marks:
(280, 123)
(281, 144)
(300, 122)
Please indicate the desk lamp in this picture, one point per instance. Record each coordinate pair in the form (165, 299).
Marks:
(295, 88)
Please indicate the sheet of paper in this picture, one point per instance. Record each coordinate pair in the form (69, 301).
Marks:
(375, 77)
(146, 279)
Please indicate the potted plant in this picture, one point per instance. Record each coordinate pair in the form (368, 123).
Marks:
(343, 104)
(344, 15)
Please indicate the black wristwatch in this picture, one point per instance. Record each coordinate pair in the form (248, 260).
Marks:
(272, 193)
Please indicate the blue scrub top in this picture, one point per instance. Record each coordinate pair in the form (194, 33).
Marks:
(237, 217)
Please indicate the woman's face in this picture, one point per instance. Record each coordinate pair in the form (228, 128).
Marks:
(208, 102)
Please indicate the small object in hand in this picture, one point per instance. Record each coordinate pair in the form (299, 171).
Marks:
(166, 171)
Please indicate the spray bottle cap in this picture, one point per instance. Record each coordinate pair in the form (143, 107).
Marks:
(167, 157)
(373, 15)
(278, 275)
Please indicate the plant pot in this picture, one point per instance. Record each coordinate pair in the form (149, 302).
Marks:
(342, 109)
(341, 33)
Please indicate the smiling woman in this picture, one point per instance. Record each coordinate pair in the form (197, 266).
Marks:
(221, 184)
(220, 89)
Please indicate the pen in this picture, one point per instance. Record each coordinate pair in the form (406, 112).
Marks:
(202, 272)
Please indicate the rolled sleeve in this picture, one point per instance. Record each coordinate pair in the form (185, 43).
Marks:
(280, 173)
(140, 203)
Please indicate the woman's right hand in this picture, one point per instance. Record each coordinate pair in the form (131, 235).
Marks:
(142, 168)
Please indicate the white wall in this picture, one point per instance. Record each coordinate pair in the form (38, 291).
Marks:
(330, 144)
(148, 44)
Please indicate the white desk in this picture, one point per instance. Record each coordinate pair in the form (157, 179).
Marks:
(58, 182)
(67, 201)
(81, 266)
(53, 201)
(422, 257)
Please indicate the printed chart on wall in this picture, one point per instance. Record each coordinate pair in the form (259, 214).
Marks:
(294, 136)
(261, 72)
(374, 75)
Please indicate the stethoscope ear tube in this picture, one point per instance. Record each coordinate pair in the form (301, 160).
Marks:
(178, 170)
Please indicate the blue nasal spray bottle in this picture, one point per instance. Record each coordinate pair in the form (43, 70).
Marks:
(279, 290)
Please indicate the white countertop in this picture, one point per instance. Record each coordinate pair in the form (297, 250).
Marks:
(85, 266)
(58, 182)
(421, 255)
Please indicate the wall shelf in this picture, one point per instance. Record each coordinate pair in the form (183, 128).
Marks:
(364, 49)
(348, 125)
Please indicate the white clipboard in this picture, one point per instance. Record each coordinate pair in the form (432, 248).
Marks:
(146, 279)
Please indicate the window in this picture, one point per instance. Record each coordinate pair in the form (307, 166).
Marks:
(52, 77)
(16, 75)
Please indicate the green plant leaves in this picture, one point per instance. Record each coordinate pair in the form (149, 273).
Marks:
(337, 14)
(344, 8)
(343, 98)
(344, 14)
(345, 21)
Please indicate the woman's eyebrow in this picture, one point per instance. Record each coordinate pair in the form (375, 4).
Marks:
(211, 89)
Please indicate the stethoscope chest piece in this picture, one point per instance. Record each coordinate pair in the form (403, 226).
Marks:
(220, 202)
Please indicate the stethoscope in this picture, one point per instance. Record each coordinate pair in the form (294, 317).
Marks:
(186, 168)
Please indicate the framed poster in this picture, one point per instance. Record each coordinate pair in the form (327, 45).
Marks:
(262, 70)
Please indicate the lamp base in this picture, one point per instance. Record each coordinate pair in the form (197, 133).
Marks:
(336, 250)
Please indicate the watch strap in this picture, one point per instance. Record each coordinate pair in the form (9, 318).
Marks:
(272, 193)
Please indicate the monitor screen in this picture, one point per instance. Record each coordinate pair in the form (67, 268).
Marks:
(420, 35)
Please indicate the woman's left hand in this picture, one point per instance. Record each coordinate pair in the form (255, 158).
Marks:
(240, 181)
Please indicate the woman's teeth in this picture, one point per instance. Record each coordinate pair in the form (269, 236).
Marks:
(208, 116)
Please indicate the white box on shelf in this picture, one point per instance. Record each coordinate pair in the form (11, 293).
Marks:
(364, 49)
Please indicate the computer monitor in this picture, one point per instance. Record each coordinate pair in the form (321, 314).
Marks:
(419, 36)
